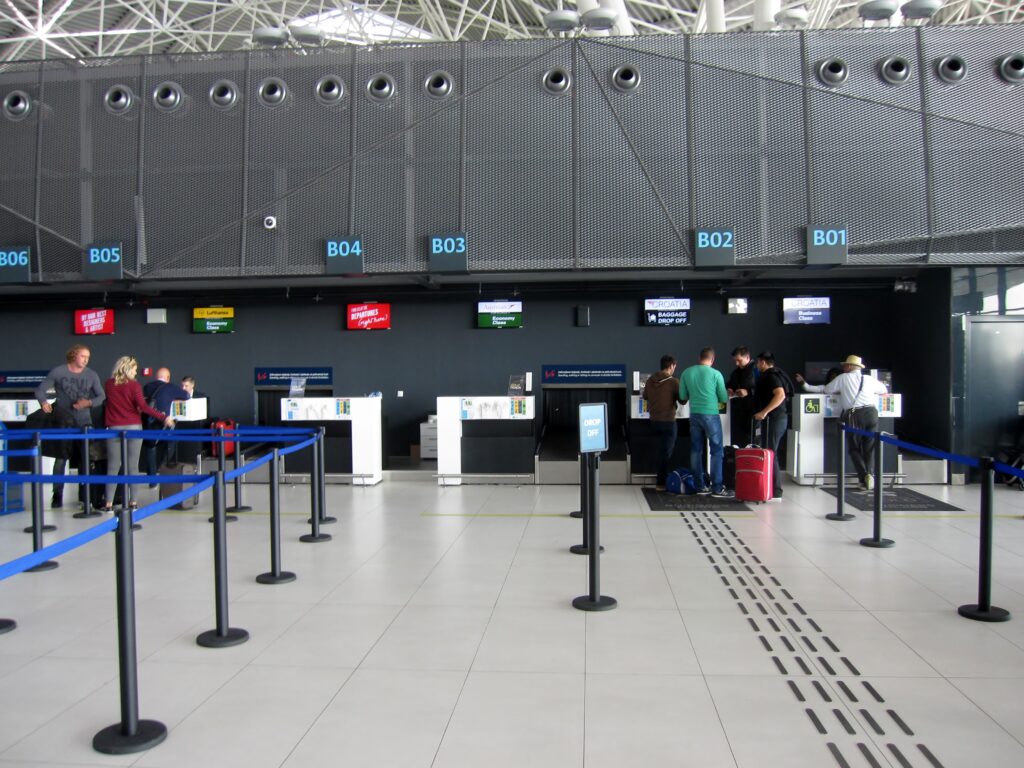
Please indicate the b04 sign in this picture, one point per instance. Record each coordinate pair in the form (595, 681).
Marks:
(15, 264)
(344, 256)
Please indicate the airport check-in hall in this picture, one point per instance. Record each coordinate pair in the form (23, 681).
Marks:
(519, 385)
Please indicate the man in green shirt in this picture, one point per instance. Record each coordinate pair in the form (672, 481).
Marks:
(704, 387)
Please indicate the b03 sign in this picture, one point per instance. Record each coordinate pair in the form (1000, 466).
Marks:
(15, 264)
(103, 261)
(448, 252)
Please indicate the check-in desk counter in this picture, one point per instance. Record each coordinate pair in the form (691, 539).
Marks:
(643, 442)
(814, 435)
(353, 435)
(486, 436)
(13, 412)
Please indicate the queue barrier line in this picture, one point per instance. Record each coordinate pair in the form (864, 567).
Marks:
(246, 435)
(15, 477)
(241, 470)
(159, 506)
(934, 453)
(1006, 469)
(297, 447)
(19, 452)
(23, 563)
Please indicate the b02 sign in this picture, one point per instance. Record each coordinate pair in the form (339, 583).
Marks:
(103, 261)
(15, 264)
(344, 256)
(714, 247)
(448, 252)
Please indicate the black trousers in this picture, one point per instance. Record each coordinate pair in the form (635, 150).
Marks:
(666, 433)
(776, 424)
(862, 449)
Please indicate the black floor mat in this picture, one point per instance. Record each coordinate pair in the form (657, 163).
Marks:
(660, 501)
(894, 500)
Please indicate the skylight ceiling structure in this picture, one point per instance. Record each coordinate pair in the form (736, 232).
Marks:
(82, 29)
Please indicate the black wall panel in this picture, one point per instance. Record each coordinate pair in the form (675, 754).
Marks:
(18, 158)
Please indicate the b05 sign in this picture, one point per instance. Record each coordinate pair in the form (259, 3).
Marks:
(104, 261)
(15, 264)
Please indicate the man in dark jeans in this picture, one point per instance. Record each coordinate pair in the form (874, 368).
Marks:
(662, 394)
(770, 401)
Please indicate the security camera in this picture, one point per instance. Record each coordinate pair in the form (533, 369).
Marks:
(270, 222)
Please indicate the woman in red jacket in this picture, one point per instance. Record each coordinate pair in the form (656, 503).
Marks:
(124, 408)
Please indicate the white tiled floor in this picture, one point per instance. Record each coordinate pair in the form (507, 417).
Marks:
(436, 629)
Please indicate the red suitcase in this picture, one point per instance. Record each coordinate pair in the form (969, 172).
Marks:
(229, 445)
(754, 474)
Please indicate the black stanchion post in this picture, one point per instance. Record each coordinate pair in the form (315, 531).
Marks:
(87, 510)
(594, 601)
(321, 477)
(984, 610)
(37, 527)
(239, 506)
(876, 539)
(275, 575)
(222, 468)
(586, 493)
(314, 503)
(840, 513)
(579, 513)
(38, 521)
(131, 734)
(224, 635)
(6, 625)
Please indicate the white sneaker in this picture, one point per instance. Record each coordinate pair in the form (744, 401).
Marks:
(869, 482)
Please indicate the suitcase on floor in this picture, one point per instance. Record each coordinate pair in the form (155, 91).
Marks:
(754, 468)
(228, 445)
(169, 489)
(729, 467)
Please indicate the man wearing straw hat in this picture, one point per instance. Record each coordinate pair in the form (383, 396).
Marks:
(857, 392)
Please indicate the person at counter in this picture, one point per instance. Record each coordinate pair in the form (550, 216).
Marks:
(740, 387)
(662, 394)
(770, 399)
(857, 392)
(159, 393)
(704, 387)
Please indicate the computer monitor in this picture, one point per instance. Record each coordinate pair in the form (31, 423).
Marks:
(817, 373)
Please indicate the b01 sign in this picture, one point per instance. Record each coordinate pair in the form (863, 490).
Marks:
(826, 245)
(16, 264)
(103, 261)
(344, 256)
(448, 252)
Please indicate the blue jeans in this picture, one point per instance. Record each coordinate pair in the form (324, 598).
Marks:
(708, 427)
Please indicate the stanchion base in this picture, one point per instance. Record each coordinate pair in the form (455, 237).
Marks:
(976, 613)
(270, 578)
(6, 625)
(843, 517)
(242, 508)
(46, 528)
(210, 638)
(48, 565)
(81, 515)
(579, 549)
(310, 538)
(227, 519)
(603, 603)
(578, 514)
(136, 526)
(111, 741)
(877, 543)
(323, 520)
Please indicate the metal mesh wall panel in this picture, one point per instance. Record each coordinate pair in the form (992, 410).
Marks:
(18, 158)
(867, 145)
(299, 162)
(976, 129)
(633, 191)
(519, 206)
(192, 166)
(748, 142)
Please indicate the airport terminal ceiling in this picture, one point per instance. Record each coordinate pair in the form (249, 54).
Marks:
(49, 29)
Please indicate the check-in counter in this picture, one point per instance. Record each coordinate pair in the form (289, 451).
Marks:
(363, 443)
(643, 442)
(485, 435)
(813, 436)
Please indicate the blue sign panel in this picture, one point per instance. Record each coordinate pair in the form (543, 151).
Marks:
(714, 248)
(282, 377)
(583, 374)
(448, 252)
(21, 379)
(593, 427)
(15, 264)
(344, 256)
(103, 261)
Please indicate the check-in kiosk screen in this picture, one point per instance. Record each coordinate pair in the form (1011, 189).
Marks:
(499, 314)
(806, 311)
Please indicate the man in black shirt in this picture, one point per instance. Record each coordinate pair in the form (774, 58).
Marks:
(770, 401)
(740, 387)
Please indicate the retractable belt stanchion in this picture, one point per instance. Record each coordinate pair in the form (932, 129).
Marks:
(275, 575)
(594, 601)
(876, 539)
(239, 506)
(984, 610)
(222, 468)
(6, 625)
(321, 478)
(224, 635)
(840, 513)
(586, 491)
(37, 527)
(124, 471)
(87, 510)
(579, 513)
(38, 515)
(131, 734)
(314, 502)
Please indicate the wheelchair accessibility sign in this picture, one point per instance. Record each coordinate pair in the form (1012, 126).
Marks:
(812, 405)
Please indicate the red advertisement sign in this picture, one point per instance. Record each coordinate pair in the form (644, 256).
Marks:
(369, 317)
(93, 322)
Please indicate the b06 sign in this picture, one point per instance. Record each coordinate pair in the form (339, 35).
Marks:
(15, 264)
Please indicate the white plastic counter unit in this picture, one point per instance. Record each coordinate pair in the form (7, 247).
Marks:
(638, 410)
(365, 415)
(805, 456)
(452, 411)
(17, 410)
(189, 410)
